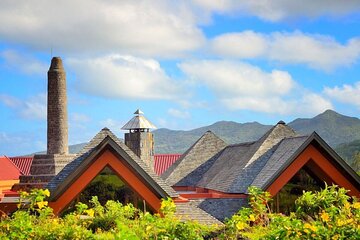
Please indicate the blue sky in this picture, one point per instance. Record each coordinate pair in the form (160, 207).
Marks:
(186, 64)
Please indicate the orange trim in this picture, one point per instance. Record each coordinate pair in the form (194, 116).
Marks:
(320, 165)
(117, 164)
(196, 192)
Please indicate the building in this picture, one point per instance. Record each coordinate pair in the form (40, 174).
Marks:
(208, 182)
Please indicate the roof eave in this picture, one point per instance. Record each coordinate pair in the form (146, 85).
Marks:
(328, 149)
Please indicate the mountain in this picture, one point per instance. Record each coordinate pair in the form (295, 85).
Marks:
(331, 126)
(334, 128)
(170, 141)
(349, 151)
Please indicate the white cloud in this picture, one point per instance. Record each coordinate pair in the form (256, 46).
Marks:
(117, 76)
(32, 108)
(237, 78)
(277, 10)
(151, 28)
(349, 94)
(23, 63)
(240, 86)
(178, 113)
(316, 51)
(247, 44)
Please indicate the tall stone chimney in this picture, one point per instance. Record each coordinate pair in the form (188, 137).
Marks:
(45, 166)
(57, 117)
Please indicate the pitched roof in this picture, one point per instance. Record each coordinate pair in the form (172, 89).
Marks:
(234, 168)
(289, 153)
(163, 161)
(8, 170)
(104, 138)
(138, 122)
(258, 163)
(23, 163)
(203, 149)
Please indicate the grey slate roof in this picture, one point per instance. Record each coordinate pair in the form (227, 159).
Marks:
(202, 150)
(221, 208)
(106, 138)
(238, 165)
(190, 211)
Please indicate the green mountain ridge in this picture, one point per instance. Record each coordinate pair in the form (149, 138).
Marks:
(339, 131)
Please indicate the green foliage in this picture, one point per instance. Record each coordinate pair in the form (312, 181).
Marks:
(327, 214)
(34, 220)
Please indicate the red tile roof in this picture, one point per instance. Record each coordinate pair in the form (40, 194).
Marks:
(23, 163)
(163, 161)
(8, 170)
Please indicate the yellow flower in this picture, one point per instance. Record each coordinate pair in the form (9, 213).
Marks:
(340, 222)
(347, 205)
(356, 205)
(324, 217)
(47, 192)
(252, 218)
(240, 225)
(309, 226)
(42, 204)
(90, 212)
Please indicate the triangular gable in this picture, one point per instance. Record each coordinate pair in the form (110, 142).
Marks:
(202, 150)
(318, 156)
(106, 150)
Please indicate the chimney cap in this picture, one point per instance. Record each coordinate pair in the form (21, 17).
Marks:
(56, 63)
(138, 122)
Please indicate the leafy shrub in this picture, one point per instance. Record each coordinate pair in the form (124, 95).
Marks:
(327, 214)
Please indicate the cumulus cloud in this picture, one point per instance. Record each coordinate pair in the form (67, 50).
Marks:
(152, 28)
(24, 63)
(241, 86)
(316, 51)
(346, 93)
(117, 76)
(277, 10)
(32, 108)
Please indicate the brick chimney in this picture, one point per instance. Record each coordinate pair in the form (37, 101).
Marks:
(57, 117)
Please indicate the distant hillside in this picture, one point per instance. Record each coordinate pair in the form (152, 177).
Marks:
(170, 141)
(331, 126)
(348, 150)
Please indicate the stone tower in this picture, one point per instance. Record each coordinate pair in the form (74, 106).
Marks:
(139, 139)
(57, 119)
(45, 166)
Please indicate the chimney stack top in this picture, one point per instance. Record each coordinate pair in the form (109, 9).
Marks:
(56, 63)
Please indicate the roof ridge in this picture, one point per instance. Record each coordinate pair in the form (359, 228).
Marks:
(168, 172)
(92, 145)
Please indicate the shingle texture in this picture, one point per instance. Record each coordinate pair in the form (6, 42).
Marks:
(190, 211)
(222, 208)
(204, 149)
(234, 168)
(91, 147)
